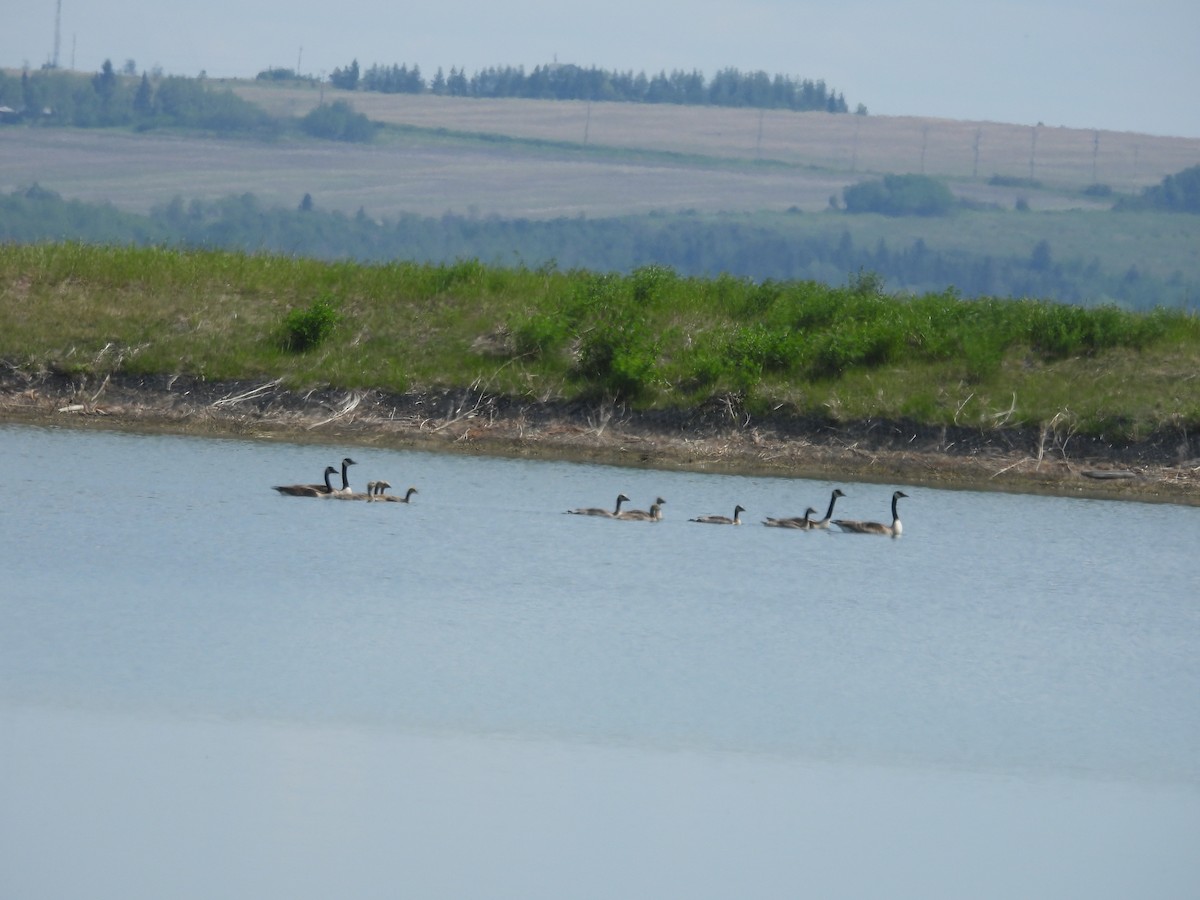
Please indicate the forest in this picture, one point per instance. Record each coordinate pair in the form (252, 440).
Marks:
(760, 248)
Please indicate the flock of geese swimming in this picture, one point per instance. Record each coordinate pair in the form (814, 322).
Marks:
(376, 493)
(376, 490)
(801, 523)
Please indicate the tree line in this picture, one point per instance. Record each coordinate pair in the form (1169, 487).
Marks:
(760, 249)
(109, 98)
(729, 87)
(1175, 193)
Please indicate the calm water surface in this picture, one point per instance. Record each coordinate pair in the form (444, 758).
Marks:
(477, 695)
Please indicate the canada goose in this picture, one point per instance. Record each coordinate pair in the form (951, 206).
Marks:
(309, 490)
(603, 513)
(346, 463)
(381, 497)
(371, 490)
(855, 527)
(653, 514)
(804, 523)
(722, 520)
(833, 498)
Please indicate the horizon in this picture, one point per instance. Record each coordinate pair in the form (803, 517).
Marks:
(1054, 63)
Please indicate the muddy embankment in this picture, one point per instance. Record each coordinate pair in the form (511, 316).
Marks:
(718, 437)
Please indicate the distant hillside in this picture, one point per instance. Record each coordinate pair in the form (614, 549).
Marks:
(848, 145)
(611, 186)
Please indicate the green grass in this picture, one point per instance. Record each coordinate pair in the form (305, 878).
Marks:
(654, 339)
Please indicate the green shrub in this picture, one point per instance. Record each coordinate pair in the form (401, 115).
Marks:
(1061, 331)
(865, 283)
(308, 328)
(900, 195)
(338, 121)
(761, 298)
(707, 366)
(758, 349)
(618, 362)
(651, 283)
(618, 350)
(540, 334)
(982, 355)
(815, 309)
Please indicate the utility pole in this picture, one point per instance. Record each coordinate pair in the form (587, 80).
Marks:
(854, 148)
(57, 32)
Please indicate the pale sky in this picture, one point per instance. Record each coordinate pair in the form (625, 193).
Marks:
(1105, 64)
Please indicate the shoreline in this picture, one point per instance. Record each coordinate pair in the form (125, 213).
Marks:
(716, 438)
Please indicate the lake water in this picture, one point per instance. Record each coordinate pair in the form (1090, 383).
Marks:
(211, 690)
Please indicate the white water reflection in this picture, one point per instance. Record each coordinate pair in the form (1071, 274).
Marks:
(479, 696)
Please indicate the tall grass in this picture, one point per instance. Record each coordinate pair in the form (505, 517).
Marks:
(652, 338)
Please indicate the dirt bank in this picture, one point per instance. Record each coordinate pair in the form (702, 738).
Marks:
(719, 437)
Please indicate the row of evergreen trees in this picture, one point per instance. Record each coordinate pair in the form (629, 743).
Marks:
(729, 87)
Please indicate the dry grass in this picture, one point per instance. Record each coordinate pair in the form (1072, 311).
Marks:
(1047, 462)
(421, 175)
(599, 160)
(1062, 157)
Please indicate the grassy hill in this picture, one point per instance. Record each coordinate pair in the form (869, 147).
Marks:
(652, 339)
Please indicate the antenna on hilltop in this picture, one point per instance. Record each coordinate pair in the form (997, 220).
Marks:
(57, 31)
